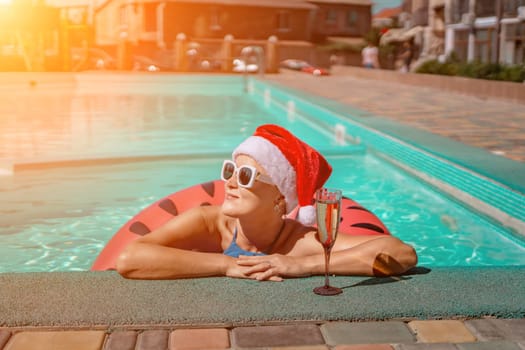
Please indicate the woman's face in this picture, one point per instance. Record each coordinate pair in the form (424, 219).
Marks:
(259, 199)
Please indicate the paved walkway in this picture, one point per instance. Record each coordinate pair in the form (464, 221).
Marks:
(496, 126)
(478, 334)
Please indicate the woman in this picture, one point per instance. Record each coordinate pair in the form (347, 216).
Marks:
(249, 236)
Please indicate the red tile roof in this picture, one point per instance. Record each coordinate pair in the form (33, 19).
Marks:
(388, 12)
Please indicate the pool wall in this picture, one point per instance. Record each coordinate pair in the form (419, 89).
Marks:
(498, 201)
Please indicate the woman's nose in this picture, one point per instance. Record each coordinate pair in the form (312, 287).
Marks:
(232, 181)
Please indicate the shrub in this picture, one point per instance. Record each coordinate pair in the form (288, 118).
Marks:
(477, 70)
(436, 67)
(513, 73)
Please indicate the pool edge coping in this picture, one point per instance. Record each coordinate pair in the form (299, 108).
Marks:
(412, 296)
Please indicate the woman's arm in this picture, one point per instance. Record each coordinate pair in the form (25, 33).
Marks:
(151, 261)
(372, 256)
(359, 256)
(189, 245)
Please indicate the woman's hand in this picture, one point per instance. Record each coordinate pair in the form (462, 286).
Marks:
(235, 270)
(272, 267)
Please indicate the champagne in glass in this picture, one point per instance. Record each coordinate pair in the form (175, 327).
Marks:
(328, 203)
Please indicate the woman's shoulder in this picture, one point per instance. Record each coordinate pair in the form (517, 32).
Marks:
(297, 238)
(199, 218)
(211, 214)
(296, 227)
(215, 218)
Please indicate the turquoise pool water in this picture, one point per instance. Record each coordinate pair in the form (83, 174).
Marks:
(59, 218)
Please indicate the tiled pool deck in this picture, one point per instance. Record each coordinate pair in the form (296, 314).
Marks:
(478, 334)
(466, 119)
(494, 125)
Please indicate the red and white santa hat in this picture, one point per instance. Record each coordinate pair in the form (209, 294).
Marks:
(297, 169)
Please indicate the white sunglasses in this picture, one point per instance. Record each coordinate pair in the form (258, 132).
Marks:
(246, 174)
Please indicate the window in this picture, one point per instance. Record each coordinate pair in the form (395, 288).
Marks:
(331, 16)
(351, 19)
(215, 19)
(484, 40)
(516, 36)
(123, 16)
(420, 15)
(519, 53)
(516, 31)
(461, 44)
(483, 46)
(459, 8)
(150, 17)
(283, 21)
(485, 8)
(510, 7)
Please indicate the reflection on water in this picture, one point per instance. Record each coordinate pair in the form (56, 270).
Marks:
(414, 212)
(39, 126)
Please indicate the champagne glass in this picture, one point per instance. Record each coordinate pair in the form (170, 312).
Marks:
(328, 206)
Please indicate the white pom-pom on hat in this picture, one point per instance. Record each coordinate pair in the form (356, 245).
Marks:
(307, 215)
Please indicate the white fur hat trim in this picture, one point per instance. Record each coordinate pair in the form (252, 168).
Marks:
(274, 163)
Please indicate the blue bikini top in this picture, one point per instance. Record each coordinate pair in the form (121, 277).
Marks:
(234, 250)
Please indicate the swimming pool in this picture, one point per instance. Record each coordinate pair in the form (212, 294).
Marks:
(57, 218)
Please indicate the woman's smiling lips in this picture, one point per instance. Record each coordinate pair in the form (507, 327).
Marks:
(230, 195)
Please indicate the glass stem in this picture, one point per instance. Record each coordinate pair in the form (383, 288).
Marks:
(327, 252)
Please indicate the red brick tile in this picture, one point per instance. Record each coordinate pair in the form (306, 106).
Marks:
(364, 347)
(121, 340)
(274, 336)
(441, 331)
(301, 347)
(497, 329)
(382, 332)
(63, 340)
(152, 340)
(4, 337)
(213, 338)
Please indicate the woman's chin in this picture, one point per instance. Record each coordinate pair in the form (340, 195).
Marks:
(229, 210)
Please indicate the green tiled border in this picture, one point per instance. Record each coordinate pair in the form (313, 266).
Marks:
(484, 191)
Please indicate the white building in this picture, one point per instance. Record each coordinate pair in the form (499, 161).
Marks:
(483, 30)
(488, 31)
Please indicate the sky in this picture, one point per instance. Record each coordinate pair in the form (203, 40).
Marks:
(381, 4)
